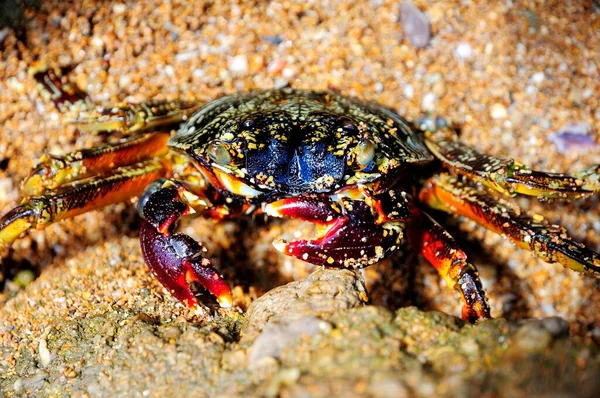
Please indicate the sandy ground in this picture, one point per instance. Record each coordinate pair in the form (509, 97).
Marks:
(508, 75)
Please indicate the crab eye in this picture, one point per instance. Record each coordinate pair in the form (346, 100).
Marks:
(218, 152)
(365, 152)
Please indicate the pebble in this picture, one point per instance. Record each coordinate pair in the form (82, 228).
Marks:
(119, 8)
(538, 77)
(238, 64)
(24, 277)
(415, 25)
(463, 51)
(498, 111)
(43, 352)
(124, 81)
(3, 34)
(428, 102)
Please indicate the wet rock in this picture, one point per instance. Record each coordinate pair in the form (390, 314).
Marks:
(275, 337)
(325, 291)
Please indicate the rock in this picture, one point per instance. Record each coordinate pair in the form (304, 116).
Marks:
(275, 337)
(325, 291)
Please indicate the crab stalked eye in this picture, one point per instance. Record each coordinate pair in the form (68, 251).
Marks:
(218, 152)
(365, 152)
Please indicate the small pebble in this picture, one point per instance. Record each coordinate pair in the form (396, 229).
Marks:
(119, 8)
(273, 39)
(538, 77)
(24, 277)
(463, 51)
(409, 91)
(239, 64)
(3, 34)
(428, 102)
(124, 81)
(415, 25)
(44, 353)
(498, 111)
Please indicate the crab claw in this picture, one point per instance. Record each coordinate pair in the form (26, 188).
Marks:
(177, 260)
(352, 239)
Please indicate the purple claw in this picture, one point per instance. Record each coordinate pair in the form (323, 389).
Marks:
(353, 239)
(176, 259)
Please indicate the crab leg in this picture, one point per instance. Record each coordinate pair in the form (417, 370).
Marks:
(79, 197)
(125, 117)
(175, 258)
(53, 172)
(349, 235)
(531, 232)
(442, 251)
(510, 177)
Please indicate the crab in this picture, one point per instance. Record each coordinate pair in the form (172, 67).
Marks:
(357, 170)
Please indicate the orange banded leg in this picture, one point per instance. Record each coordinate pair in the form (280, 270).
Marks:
(442, 251)
(80, 197)
(531, 232)
(125, 117)
(510, 177)
(53, 172)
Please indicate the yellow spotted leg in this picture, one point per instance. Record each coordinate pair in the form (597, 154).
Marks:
(79, 197)
(511, 177)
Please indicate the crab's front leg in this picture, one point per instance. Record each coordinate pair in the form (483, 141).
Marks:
(176, 259)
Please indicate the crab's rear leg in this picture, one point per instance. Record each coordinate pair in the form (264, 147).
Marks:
(528, 231)
(176, 259)
(79, 197)
(128, 118)
(441, 250)
(510, 177)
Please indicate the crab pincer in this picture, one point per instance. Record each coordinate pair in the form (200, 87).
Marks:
(176, 259)
(347, 232)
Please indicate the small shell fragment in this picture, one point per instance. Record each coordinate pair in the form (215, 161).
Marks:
(574, 137)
